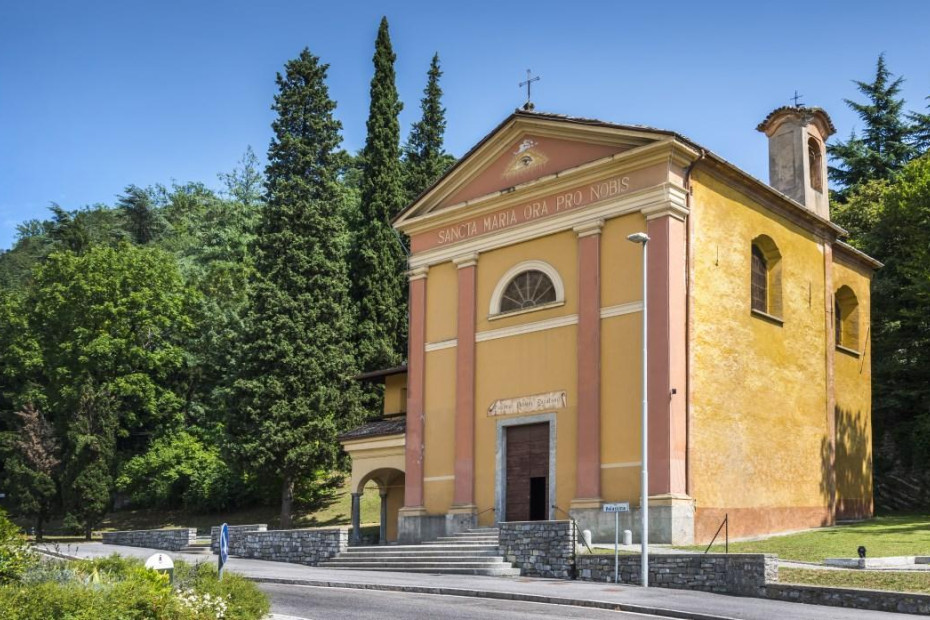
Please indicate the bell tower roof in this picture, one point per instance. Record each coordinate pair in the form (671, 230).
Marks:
(815, 116)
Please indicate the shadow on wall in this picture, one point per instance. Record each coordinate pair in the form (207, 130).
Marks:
(853, 466)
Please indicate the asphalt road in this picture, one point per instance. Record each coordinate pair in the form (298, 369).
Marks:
(316, 603)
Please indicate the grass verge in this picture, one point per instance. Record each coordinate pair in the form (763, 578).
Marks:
(897, 581)
(882, 537)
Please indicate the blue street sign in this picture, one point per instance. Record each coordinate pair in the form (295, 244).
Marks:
(224, 547)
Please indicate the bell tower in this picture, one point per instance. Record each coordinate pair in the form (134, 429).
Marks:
(798, 154)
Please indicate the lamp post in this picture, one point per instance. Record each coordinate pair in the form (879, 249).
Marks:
(643, 238)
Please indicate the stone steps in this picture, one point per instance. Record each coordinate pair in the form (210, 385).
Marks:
(197, 550)
(474, 552)
(424, 551)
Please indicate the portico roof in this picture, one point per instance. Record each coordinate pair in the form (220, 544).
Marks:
(377, 428)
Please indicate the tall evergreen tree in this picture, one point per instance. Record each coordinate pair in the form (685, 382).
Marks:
(294, 393)
(884, 146)
(920, 130)
(379, 285)
(143, 221)
(424, 157)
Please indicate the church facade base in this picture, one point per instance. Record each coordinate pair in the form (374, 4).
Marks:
(414, 525)
(671, 521)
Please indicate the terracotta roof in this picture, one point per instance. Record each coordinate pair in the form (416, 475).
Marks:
(799, 109)
(377, 428)
(384, 372)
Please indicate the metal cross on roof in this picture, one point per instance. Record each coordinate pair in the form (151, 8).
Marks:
(796, 98)
(529, 81)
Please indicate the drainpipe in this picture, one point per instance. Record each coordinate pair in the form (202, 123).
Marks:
(689, 262)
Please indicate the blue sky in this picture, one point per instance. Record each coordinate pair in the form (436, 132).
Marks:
(97, 95)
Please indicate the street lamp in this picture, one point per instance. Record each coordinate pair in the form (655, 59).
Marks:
(643, 238)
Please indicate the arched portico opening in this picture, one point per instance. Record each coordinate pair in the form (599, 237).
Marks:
(390, 484)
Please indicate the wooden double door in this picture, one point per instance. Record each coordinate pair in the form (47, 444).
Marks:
(527, 472)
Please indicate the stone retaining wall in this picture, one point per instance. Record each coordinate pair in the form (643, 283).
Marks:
(234, 532)
(539, 548)
(741, 574)
(308, 547)
(173, 539)
(875, 600)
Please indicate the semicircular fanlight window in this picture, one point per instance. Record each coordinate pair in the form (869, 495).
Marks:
(528, 289)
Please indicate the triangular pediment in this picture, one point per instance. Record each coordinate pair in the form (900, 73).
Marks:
(524, 148)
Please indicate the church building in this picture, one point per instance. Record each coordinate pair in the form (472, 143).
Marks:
(521, 397)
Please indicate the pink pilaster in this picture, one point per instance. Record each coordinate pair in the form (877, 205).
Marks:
(464, 489)
(667, 353)
(416, 371)
(588, 470)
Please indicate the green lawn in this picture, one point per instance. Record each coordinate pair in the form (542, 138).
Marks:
(867, 579)
(338, 512)
(882, 536)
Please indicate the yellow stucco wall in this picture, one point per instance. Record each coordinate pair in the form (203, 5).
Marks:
(439, 454)
(759, 447)
(621, 269)
(518, 366)
(559, 250)
(441, 300)
(395, 393)
(853, 376)
(621, 344)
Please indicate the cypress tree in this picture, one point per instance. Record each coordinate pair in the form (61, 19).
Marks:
(294, 391)
(424, 157)
(379, 284)
(884, 146)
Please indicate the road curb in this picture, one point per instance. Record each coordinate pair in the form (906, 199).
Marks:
(494, 594)
(471, 593)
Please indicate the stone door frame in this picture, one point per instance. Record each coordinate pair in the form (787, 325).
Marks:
(500, 470)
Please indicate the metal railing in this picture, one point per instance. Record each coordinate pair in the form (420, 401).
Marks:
(723, 526)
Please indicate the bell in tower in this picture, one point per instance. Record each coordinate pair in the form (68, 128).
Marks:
(798, 154)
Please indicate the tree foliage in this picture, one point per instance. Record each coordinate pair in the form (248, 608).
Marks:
(32, 457)
(425, 159)
(178, 470)
(378, 258)
(294, 392)
(885, 144)
(900, 238)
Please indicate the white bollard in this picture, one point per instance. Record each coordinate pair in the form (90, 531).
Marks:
(627, 537)
(586, 535)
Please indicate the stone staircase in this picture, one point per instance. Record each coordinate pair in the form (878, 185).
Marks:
(200, 547)
(474, 552)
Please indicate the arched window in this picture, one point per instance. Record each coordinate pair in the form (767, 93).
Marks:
(760, 280)
(765, 277)
(846, 319)
(529, 289)
(815, 161)
(532, 284)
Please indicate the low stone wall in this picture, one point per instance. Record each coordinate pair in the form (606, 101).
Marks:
(234, 532)
(173, 539)
(741, 574)
(308, 547)
(875, 600)
(539, 548)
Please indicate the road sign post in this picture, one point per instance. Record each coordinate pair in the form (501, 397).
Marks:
(617, 508)
(224, 548)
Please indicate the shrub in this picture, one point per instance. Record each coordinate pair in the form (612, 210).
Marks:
(178, 470)
(117, 588)
(15, 556)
